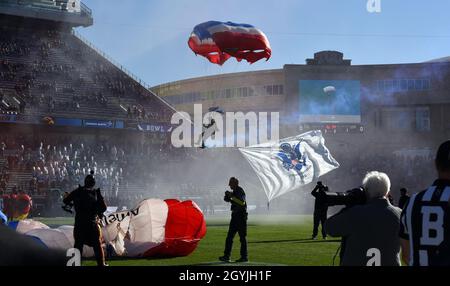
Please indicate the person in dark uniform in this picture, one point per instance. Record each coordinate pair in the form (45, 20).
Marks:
(238, 223)
(403, 198)
(320, 209)
(89, 207)
(209, 129)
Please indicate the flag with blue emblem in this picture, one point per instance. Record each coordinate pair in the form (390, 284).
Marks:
(288, 164)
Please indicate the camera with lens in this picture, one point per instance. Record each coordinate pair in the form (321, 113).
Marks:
(356, 196)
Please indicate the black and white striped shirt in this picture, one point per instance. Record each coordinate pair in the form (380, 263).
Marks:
(425, 222)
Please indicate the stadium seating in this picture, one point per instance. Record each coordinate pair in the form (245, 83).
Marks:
(55, 73)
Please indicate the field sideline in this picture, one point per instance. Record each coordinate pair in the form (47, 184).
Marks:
(272, 240)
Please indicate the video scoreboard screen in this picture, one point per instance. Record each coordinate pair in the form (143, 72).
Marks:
(329, 101)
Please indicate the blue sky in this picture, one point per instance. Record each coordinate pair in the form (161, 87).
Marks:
(149, 37)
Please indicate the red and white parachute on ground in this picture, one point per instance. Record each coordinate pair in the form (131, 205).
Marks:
(154, 228)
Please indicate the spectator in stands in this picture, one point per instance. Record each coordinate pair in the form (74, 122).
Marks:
(2, 148)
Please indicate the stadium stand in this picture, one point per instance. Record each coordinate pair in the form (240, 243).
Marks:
(55, 73)
(49, 71)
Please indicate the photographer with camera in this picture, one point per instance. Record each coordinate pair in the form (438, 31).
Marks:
(238, 223)
(369, 224)
(89, 207)
(320, 209)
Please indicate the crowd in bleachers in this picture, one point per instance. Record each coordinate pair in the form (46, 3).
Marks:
(53, 71)
(128, 172)
(63, 163)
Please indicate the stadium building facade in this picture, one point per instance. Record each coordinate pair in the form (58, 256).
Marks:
(398, 106)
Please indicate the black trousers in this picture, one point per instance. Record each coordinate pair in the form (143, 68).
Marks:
(320, 217)
(91, 235)
(238, 224)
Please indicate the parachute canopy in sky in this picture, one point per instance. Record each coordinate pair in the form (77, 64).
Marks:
(218, 41)
(155, 227)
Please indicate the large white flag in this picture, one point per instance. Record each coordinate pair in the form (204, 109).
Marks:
(286, 165)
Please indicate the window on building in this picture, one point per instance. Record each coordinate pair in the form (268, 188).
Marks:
(426, 84)
(418, 84)
(396, 85)
(423, 119)
(398, 119)
(244, 92)
(380, 85)
(275, 89)
(404, 85)
(411, 84)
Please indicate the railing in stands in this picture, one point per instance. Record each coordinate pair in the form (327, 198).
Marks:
(86, 9)
(121, 67)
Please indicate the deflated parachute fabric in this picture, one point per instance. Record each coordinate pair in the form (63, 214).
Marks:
(218, 41)
(185, 227)
(154, 228)
(56, 238)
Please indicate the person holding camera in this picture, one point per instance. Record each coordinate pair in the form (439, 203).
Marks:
(425, 220)
(320, 209)
(238, 223)
(369, 231)
(89, 207)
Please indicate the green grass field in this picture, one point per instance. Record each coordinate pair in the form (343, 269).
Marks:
(272, 240)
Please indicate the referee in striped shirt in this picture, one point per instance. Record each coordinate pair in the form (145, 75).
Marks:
(425, 221)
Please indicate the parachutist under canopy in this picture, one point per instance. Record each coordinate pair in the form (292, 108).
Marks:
(209, 130)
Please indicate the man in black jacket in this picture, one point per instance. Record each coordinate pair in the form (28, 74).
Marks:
(89, 207)
(320, 209)
(238, 223)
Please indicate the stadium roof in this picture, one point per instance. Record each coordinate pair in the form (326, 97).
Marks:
(52, 10)
(440, 60)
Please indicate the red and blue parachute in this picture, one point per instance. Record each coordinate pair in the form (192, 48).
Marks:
(218, 41)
